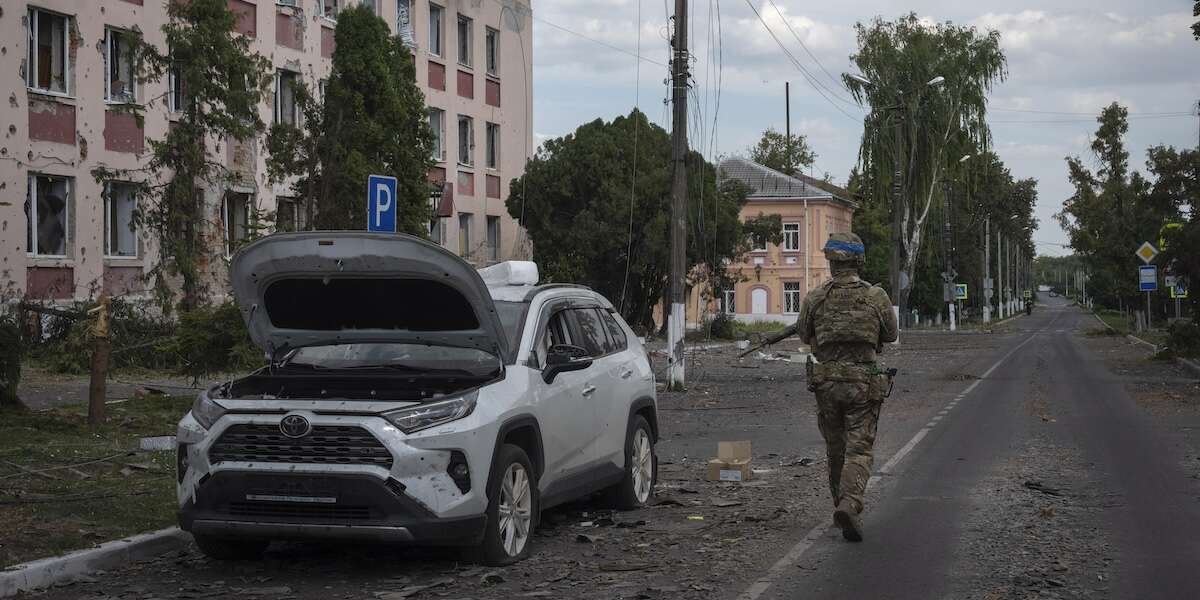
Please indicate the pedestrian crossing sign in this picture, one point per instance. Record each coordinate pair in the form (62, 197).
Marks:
(1179, 290)
(960, 291)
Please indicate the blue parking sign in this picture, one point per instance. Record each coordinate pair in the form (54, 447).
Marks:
(381, 203)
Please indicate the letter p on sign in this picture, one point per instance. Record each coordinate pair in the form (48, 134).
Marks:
(381, 203)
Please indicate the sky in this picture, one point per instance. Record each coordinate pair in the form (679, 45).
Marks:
(1066, 61)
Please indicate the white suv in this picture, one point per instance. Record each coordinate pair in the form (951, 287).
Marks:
(411, 398)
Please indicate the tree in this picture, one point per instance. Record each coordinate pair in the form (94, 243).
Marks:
(372, 120)
(596, 217)
(938, 123)
(222, 83)
(1196, 25)
(776, 151)
(1113, 210)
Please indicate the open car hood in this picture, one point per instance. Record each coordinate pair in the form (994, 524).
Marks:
(315, 288)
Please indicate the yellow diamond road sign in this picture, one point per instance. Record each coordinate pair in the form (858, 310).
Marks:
(1147, 252)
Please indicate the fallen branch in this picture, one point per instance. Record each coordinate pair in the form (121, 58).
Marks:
(43, 472)
(73, 498)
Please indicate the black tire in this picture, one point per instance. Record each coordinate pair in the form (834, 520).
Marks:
(231, 548)
(623, 495)
(492, 551)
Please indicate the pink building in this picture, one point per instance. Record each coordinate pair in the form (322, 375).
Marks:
(65, 236)
(773, 279)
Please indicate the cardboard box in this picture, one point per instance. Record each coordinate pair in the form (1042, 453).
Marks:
(731, 464)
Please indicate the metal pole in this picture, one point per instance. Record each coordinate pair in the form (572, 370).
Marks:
(897, 206)
(679, 144)
(999, 274)
(787, 125)
(987, 268)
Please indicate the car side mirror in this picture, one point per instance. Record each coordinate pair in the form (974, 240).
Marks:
(562, 358)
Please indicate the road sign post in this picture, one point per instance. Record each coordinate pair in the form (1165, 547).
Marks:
(381, 203)
(1148, 282)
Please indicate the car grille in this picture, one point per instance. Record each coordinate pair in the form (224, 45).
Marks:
(325, 444)
(298, 511)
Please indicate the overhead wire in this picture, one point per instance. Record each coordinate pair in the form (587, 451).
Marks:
(799, 40)
(637, 95)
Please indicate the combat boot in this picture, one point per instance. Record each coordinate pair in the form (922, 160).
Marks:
(846, 517)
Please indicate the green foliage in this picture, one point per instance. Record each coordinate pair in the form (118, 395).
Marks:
(722, 327)
(1113, 210)
(1183, 339)
(10, 361)
(222, 82)
(774, 151)
(372, 120)
(1196, 25)
(924, 127)
(213, 339)
(589, 222)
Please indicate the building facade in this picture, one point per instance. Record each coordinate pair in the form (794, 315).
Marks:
(64, 235)
(772, 279)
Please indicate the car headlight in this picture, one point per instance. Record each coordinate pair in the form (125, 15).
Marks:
(205, 411)
(416, 418)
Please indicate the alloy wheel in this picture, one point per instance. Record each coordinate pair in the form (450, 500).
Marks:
(643, 465)
(515, 510)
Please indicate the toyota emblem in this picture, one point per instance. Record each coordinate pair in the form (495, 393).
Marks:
(294, 426)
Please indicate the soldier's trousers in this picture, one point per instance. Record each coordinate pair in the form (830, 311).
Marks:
(847, 414)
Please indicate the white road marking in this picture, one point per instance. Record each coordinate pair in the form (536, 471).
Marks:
(764, 583)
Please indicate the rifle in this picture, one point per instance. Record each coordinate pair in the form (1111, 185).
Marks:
(891, 375)
(773, 339)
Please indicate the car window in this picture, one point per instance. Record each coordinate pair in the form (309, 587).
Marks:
(616, 334)
(591, 331)
(557, 332)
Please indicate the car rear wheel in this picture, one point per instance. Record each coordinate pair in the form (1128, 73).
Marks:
(231, 548)
(512, 508)
(641, 468)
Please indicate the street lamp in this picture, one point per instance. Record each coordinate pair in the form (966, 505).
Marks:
(894, 274)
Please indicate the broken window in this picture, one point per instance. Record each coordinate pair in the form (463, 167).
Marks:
(285, 96)
(437, 122)
(175, 91)
(47, 215)
(435, 29)
(493, 145)
(120, 84)
(464, 40)
(49, 60)
(289, 214)
(492, 49)
(437, 231)
(493, 238)
(235, 217)
(466, 140)
(120, 234)
(328, 8)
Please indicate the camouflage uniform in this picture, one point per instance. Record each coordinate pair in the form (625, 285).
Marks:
(846, 321)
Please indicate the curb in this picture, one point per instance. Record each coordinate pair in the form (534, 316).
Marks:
(107, 556)
(1189, 364)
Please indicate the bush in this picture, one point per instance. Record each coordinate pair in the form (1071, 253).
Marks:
(138, 339)
(10, 361)
(1183, 339)
(213, 339)
(722, 327)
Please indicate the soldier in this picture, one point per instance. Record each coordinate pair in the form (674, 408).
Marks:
(846, 321)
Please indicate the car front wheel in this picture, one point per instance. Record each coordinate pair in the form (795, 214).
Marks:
(641, 467)
(512, 508)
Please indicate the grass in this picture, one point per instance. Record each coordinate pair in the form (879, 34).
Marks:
(759, 326)
(127, 491)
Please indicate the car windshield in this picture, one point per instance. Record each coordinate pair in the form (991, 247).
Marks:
(414, 358)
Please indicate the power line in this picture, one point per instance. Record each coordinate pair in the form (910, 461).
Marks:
(1090, 114)
(1090, 121)
(807, 77)
(596, 41)
(637, 103)
(812, 56)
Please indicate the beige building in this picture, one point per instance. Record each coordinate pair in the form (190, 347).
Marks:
(65, 236)
(772, 280)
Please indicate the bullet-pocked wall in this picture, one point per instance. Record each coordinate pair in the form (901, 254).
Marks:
(66, 76)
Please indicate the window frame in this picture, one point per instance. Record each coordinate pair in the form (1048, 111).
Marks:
(787, 236)
(278, 111)
(493, 249)
(729, 302)
(108, 224)
(174, 96)
(465, 222)
(470, 147)
(437, 49)
(31, 64)
(111, 35)
(227, 233)
(323, 9)
(439, 133)
(491, 52)
(492, 146)
(466, 43)
(31, 220)
(795, 297)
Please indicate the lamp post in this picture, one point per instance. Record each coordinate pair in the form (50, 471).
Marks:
(894, 268)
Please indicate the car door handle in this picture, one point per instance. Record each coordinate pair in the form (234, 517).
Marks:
(626, 373)
(589, 390)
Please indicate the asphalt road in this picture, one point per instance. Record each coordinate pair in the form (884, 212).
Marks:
(1119, 518)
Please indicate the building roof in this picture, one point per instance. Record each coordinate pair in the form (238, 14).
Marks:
(768, 184)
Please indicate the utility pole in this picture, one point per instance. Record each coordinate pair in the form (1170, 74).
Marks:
(787, 126)
(999, 274)
(897, 222)
(948, 254)
(679, 75)
(987, 269)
